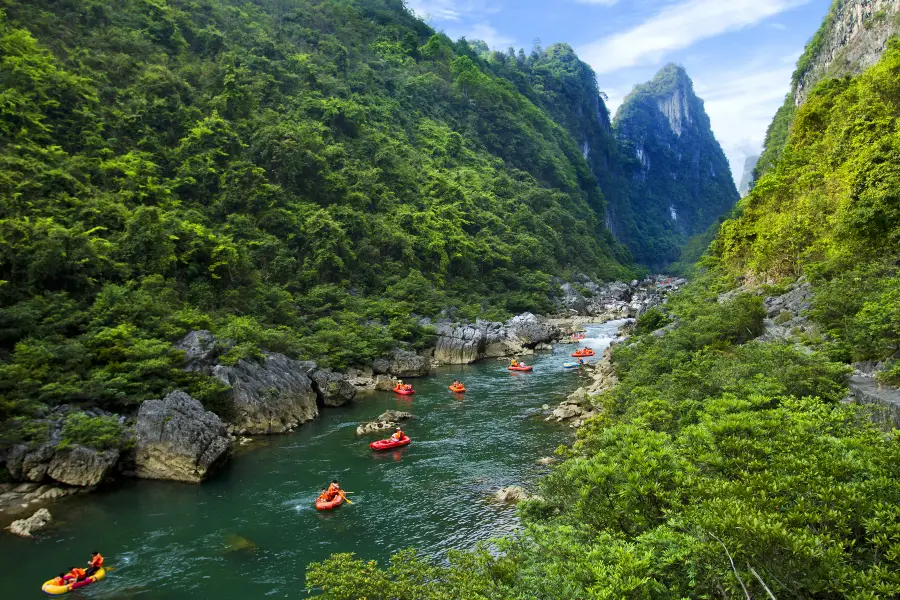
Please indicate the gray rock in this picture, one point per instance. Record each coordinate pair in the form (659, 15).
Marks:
(882, 400)
(200, 349)
(14, 459)
(511, 495)
(530, 331)
(387, 421)
(36, 462)
(402, 363)
(269, 397)
(178, 440)
(28, 527)
(334, 389)
(385, 383)
(392, 416)
(82, 466)
(459, 344)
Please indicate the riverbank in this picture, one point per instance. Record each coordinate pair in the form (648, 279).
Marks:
(175, 438)
(251, 530)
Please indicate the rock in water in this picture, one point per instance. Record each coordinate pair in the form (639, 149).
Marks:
(82, 466)
(387, 421)
(269, 397)
(28, 527)
(334, 388)
(512, 495)
(178, 439)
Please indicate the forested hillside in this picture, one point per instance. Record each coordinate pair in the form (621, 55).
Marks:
(675, 180)
(726, 462)
(305, 177)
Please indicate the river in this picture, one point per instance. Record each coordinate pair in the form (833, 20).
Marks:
(251, 531)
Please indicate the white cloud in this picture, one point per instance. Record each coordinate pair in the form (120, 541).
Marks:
(679, 26)
(488, 34)
(741, 102)
(598, 2)
(440, 10)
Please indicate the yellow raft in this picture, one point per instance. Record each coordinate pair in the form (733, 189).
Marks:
(59, 590)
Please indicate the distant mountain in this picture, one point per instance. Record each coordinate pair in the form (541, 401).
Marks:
(677, 180)
(747, 177)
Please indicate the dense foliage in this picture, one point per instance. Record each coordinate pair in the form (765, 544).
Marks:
(830, 211)
(305, 177)
(718, 465)
(722, 466)
(677, 180)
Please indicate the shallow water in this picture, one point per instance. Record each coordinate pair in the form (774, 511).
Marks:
(251, 531)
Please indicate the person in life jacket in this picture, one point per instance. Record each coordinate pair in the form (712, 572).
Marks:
(95, 564)
(323, 496)
(398, 435)
(514, 363)
(76, 574)
(333, 490)
(61, 580)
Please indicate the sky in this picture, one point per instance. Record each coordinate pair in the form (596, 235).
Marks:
(739, 53)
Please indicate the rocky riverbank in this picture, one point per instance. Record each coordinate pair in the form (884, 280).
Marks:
(175, 438)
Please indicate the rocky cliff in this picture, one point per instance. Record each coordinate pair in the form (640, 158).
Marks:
(678, 179)
(852, 38)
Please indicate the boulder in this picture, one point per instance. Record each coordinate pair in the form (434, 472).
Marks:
(14, 459)
(530, 331)
(81, 466)
(272, 396)
(28, 527)
(402, 363)
(459, 344)
(200, 350)
(511, 495)
(545, 462)
(178, 439)
(385, 383)
(387, 421)
(883, 401)
(334, 389)
(35, 464)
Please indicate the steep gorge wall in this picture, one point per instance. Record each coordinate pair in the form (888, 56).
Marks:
(853, 38)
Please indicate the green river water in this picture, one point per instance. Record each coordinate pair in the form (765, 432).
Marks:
(251, 531)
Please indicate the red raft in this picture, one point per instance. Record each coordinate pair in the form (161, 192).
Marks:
(329, 505)
(388, 444)
(583, 353)
(521, 369)
(404, 391)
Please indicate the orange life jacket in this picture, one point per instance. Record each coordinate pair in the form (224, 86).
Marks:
(78, 573)
(397, 436)
(59, 581)
(97, 561)
(333, 489)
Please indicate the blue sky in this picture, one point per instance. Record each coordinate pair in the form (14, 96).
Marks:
(740, 53)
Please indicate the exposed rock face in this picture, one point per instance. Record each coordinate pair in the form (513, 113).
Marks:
(28, 527)
(883, 400)
(617, 300)
(855, 38)
(786, 314)
(269, 397)
(82, 466)
(464, 344)
(178, 439)
(201, 349)
(402, 363)
(679, 179)
(333, 388)
(78, 465)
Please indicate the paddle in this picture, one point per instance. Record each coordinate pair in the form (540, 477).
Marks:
(345, 497)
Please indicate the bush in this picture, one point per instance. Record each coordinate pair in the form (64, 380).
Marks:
(100, 433)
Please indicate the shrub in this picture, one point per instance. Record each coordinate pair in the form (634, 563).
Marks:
(100, 433)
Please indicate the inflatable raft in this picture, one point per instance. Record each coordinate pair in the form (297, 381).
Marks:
(457, 389)
(583, 353)
(404, 391)
(571, 365)
(521, 369)
(59, 590)
(329, 505)
(388, 444)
